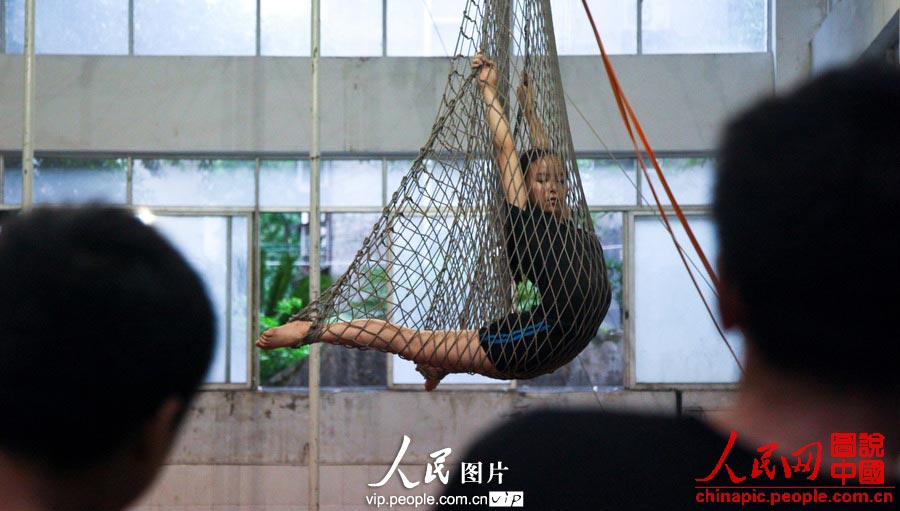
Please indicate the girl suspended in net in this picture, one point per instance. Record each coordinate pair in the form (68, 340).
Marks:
(544, 247)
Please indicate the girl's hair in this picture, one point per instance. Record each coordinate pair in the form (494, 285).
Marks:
(532, 155)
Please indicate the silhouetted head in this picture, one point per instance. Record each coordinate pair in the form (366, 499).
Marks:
(808, 188)
(105, 333)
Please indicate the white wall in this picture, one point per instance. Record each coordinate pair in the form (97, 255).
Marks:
(851, 28)
(371, 105)
(249, 450)
(794, 23)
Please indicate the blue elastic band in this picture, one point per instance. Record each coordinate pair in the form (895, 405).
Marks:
(517, 335)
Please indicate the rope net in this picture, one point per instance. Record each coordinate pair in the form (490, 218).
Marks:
(455, 274)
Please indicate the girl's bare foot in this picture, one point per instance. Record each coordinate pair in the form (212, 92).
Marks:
(284, 336)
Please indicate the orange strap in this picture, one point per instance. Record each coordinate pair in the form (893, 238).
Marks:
(627, 113)
(624, 106)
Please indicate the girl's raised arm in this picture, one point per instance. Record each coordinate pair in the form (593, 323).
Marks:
(502, 138)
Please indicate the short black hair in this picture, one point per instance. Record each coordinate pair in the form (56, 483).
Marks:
(808, 187)
(101, 320)
(532, 155)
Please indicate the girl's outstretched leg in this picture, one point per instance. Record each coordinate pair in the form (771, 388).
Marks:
(445, 350)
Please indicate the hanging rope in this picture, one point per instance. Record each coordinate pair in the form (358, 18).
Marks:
(629, 117)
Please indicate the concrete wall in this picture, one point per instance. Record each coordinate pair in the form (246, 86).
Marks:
(794, 23)
(851, 28)
(249, 450)
(369, 105)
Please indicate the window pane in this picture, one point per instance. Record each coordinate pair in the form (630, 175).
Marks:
(284, 288)
(284, 183)
(204, 242)
(344, 238)
(195, 27)
(240, 251)
(68, 181)
(691, 181)
(14, 26)
(63, 180)
(423, 28)
(396, 169)
(350, 183)
(12, 180)
(285, 27)
(435, 186)
(608, 182)
(65, 27)
(418, 256)
(608, 226)
(351, 28)
(193, 182)
(601, 361)
(675, 339)
(704, 26)
(284, 250)
(616, 21)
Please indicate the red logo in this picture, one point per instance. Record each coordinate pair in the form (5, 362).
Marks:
(854, 453)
